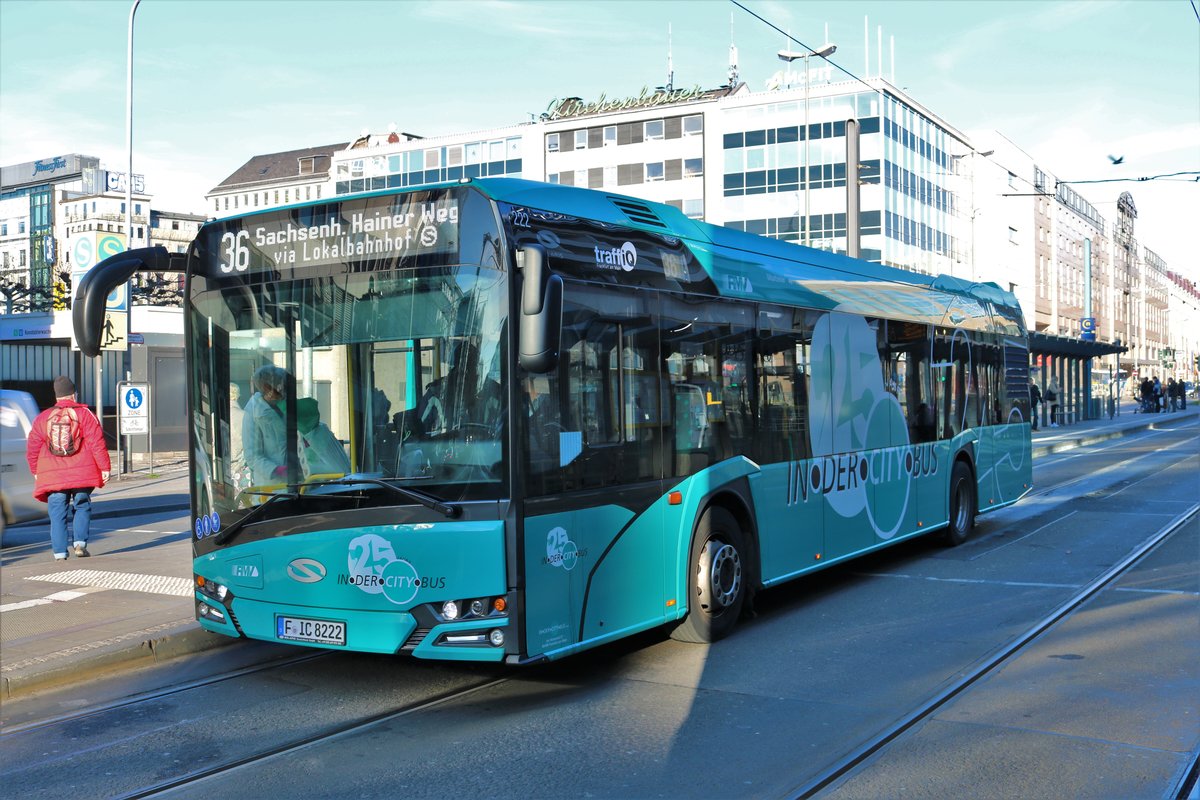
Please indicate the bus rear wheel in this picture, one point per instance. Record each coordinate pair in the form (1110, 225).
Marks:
(717, 578)
(962, 505)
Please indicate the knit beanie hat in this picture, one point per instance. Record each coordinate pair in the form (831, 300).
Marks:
(63, 387)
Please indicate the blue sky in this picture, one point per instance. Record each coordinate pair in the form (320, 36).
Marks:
(219, 81)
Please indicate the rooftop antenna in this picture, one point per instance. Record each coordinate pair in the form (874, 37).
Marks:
(670, 63)
(733, 56)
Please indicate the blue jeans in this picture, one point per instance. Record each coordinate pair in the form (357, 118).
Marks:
(61, 504)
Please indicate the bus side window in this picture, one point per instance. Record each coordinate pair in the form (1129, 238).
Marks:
(706, 347)
(782, 367)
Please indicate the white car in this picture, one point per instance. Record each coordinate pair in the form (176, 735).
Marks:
(17, 413)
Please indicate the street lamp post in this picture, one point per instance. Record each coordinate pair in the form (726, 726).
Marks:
(129, 131)
(789, 56)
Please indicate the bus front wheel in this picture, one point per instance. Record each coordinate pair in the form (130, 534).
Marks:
(717, 578)
(962, 505)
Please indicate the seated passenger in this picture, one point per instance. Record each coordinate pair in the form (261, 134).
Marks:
(320, 451)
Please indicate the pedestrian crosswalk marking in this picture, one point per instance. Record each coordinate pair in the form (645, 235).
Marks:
(130, 582)
(57, 597)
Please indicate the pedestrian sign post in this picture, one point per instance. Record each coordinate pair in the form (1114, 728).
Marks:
(133, 414)
(134, 408)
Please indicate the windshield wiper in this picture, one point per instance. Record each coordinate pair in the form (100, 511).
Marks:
(428, 501)
(253, 516)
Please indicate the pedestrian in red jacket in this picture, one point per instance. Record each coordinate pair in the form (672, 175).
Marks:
(69, 459)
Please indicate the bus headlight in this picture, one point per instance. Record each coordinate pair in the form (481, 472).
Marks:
(496, 637)
(471, 608)
(217, 591)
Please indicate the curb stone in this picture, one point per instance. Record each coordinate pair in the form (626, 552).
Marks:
(188, 639)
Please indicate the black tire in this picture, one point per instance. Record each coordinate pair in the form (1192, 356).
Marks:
(718, 578)
(962, 505)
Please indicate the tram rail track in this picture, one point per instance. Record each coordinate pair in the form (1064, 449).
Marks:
(333, 733)
(12, 731)
(872, 747)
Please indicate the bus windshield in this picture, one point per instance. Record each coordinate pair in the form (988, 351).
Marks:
(387, 370)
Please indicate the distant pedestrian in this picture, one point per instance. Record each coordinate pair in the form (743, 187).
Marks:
(1035, 399)
(1157, 392)
(1172, 395)
(69, 459)
(1052, 400)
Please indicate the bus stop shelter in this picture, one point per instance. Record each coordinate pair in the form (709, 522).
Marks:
(1067, 362)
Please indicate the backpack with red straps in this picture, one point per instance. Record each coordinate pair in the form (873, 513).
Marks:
(63, 436)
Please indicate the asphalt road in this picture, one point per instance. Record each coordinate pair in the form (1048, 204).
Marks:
(1105, 704)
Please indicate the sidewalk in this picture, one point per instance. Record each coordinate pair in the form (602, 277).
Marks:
(1048, 440)
(129, 605)
(60, 624)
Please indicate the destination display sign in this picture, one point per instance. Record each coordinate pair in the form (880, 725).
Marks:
(361, 234)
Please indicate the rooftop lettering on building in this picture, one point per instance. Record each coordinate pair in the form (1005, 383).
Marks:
(49, 164)
(575, 107)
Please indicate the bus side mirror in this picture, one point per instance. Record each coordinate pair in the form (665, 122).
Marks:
(541, 310)
(91, 295)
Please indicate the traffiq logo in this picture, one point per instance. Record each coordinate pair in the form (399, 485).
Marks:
(623, 257)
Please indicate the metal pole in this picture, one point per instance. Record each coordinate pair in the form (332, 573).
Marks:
(807, 172)
(129, 132)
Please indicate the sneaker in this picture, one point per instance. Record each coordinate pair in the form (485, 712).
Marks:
(60, 558)
(81, 551)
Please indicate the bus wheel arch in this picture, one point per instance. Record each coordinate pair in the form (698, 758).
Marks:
(722, 571)
(962, 505)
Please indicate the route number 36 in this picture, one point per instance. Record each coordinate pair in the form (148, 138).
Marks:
(235, 252)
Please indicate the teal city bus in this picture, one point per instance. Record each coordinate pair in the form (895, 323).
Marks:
(561, 416)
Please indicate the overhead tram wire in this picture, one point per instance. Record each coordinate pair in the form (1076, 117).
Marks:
(1165, 176)
(791, 38)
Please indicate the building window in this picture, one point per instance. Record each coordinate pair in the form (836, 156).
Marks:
(610, 135)
(654, 129)
(693, 125)
(307, 165)
(433, 158)
(277, 197)
(694, 208)
(1012, 235)
(581, 139)
(693, 167)
(654, 171)
(454, 156)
